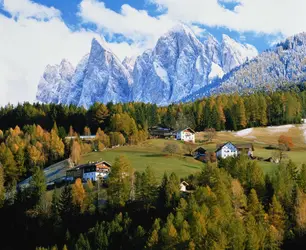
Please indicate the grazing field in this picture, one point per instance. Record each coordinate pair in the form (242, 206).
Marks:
(150, 153)
(264, 140)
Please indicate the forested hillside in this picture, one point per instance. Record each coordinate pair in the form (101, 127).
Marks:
(230, 112)
(231, 204)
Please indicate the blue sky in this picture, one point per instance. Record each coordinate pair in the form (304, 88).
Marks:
(69, 10)
(35, 33)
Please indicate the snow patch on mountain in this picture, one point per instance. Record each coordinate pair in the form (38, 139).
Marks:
(178, 66)
(52, 85)
(215, 72)
(235, 54)
(129, 63)
(162, 73)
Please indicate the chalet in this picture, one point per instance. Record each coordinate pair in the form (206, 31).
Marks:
(91, 171)
(187, 135)
(226, 150)
(160, 132)
(230, 150)
(183, 186)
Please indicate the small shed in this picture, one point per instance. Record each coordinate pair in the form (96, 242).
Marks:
(183, 186)
(200, 151)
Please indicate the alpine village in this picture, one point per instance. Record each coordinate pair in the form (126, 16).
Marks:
(199, 142)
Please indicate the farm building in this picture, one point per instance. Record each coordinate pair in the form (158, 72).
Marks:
(82, 137)
(187, 135)
(200, 151)
(160, 132)
(183, 186)
(246, 148)
(232, 150)
(91, 171)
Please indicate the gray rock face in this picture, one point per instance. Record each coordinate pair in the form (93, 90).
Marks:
(283, 64)
(178, 66)
(106, 79)
(53, 84)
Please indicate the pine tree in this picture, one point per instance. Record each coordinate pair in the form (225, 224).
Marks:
(254, 207)
(302, 178)
(169, 233)
(100, 238)
(2, 189)
(82, 243)
(66, 207)
(120, 182)
(38, 185)
(20, 160)
(101, 114)
(55, 209)
(147, 188)
(242, 122)
(252, 239)
(300, 211)
(55, 127)
(255, 177)
(237, 233)
(277, 218)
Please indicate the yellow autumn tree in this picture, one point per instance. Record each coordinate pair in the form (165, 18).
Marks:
(75, 152)
(57, 146)
(300, 211)
(102, 137)
(87, 131)
(78, 193)
(36, 157)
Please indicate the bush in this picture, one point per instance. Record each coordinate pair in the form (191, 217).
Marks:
(171, 148)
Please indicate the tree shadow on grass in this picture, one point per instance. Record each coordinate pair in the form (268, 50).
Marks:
(153, 155)
(193, 167)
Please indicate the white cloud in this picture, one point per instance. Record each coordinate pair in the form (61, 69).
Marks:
(136, 25)
(27, 8)
(37, 36)
(263, 16)
(27, 45)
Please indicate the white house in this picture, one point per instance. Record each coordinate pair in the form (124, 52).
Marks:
(227, 150)
(183, 186)
(91, 171)
(187, 135)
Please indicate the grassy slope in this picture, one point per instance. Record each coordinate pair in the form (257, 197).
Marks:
(150, 153)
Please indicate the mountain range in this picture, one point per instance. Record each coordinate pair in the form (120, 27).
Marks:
(178, 68)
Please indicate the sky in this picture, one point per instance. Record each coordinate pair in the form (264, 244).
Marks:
(35, 33)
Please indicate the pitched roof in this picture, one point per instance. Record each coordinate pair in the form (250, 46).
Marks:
(200, 149)
(191, 130)
(98, 164)
(237, 146)
(184, 183)
(219, 146)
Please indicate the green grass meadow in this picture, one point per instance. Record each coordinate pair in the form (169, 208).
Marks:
(150, 153)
